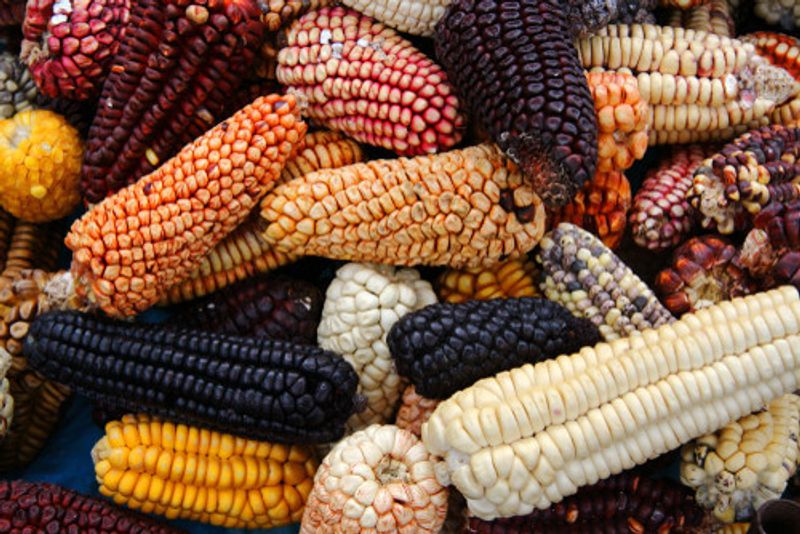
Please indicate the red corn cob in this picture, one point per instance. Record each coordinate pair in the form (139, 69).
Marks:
(781, 50)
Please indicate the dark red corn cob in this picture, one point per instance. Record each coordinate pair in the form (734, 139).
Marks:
(515, 66)
(771, 251)
(12, 12)
(39, 507)
(266, 306)
(171, 80)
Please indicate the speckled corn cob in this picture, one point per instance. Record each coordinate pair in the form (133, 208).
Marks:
(527, 438)
(463, 208)
(782, 51)
(275, 14)
(517, 70)
(417, 17)
(170, 82)
(446, 347)
(583, 275)
(748, 462)
(130, 249)
(783, 13)
(188, 472)
(601, 207)
(362, 78)
(508, 279)
(30, 245)
(243, 253)
(712, 16)
(661, 217)
(380, 479)
(17, 89)
(624, 504)
(414, 410)
(704, 271)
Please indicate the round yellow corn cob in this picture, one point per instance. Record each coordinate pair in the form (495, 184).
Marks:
(417, 17)
(508, 279)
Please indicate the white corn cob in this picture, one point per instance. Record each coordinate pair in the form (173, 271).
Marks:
(417, 17)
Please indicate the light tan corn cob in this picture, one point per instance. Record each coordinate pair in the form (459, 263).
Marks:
(414, 410)
(528, 437)
(6, 400)
(713, 16)
(734, 528)
(508, 279)
(785, 13)
(463, 208)
(417, 17)
(748, 462)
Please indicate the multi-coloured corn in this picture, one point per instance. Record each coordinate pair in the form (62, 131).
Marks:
(414, 410)
(771, 251)
(276, 14)
(417, 17)
(17, 88)
(508, 279)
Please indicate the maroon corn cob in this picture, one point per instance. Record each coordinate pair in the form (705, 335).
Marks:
(12, 12)
(771, 251)
(170, 82)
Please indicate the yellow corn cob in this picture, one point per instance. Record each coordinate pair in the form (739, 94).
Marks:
(6, 400)
(528, 437)
(508, 279)
(462, 208)
(186, 472)
(417, 17)
(734, 528)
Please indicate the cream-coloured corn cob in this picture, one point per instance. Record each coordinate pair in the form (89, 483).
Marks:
(417, 17)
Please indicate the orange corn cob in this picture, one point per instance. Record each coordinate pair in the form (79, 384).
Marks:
(414, 410)
(509, 279)
(135, 245)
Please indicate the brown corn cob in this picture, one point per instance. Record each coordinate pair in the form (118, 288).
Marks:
(600, 207)
(130, 249)
(276, 14)
(705, 270)
(508, 279)
(463, 208)
(414, 410)
(243, 253)
(712, 16)
(31, 246)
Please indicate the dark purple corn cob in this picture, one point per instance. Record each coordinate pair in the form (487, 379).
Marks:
(267, 306)
(179, 65)
(514, 64)
(256, 388)
(446, 347)
(42, 508)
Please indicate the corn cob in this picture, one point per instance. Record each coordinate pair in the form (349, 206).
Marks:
(704, 271)
(584, 276)
(601, 207)
(623, 504)
(747, 174)
(463, 208)
(746, 463)
(243, 253)
(264, 389)
(508, 279)
(528, 438)
(782, 13)
(661, 218)
(17, 89)
(380, 479)
(517, 70)
(714, 16)
(361, 78)
(681, 4)
(417, 17)
(44, 507)
(171, 79)
(361, 305)
(131, 248)
(30, 245)
(6, 399)
(447, 347)
(414, 410)
(12, 12)
(268, 306)
(188, 472)
(276, 14)
(734, 528)
(770, 250)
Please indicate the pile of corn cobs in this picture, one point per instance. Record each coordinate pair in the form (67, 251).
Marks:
(428, 265)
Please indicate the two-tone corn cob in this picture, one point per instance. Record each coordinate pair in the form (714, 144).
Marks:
(362, 304)
(414, 410)
(380, 479)
(446, 347)
(417, 17)
(508, 279)
(783, 13)
(258, 388)
(6, 400)
(17, 89)
(528, 438)
(714, 16)
(44, 507)
(188, 472)
(463, 208)
(746, 463)
(131, 248)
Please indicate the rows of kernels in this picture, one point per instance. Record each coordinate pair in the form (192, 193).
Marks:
(6, 400)
(512, 278)
(275, 14)
(714, 16)
(785, 13)
(414, 410)
(417, 17)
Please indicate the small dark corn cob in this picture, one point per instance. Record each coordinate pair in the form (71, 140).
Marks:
(29, 246)
(267, 306)
(40, 507)
(447, 347)
(515, 65)
(705, 270)
(582, 274)
(12, 12)
(623, 504)
(256, 388)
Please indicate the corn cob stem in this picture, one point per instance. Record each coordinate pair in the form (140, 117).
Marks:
(508, 279)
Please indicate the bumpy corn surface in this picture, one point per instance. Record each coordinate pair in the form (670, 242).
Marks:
(715, 16)
(515, 65)
(507, 279)
(17, 88)
(414, 410)
(188, 472)
(276, 14)
(362, 78)
(584, 276)
(43, 507)
(258, 388)
(380, 479)
(463, 208)
(6, 400)
(770, 250)
(746, 463)
(131, 248)
(528, 438)
(417, 17)
(362, 304)
(30, 246)
(784, 13)
(40, 161)
(446, 347)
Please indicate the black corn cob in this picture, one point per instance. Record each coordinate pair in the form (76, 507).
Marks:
(515, 65)
(446, 347)
(267, 306)
(43, 508)
(257, 388)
